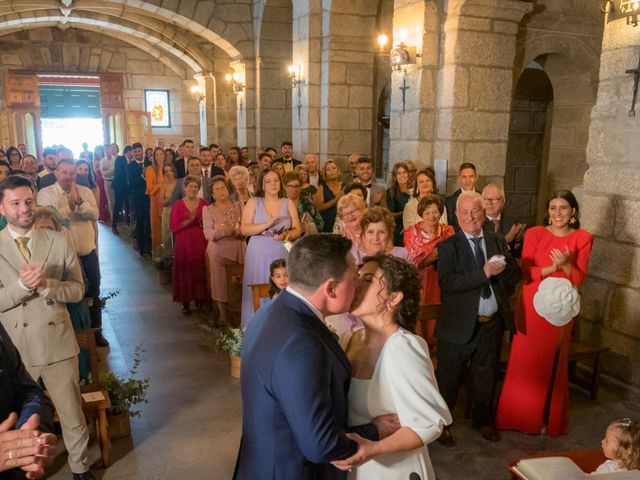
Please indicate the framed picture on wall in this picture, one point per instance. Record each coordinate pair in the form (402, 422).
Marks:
(156, 102)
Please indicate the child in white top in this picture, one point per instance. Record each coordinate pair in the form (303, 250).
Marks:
(621, 446)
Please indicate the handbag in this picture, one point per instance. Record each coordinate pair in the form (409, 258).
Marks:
(310, 227)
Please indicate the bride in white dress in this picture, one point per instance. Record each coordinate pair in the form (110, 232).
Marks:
(392, 373)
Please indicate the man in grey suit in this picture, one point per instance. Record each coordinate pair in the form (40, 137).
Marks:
(39, 274)
(376, 194)
(194, 168)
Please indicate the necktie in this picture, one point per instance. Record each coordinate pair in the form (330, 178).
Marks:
(479, 254)
(24, 249)
(206, 173)
(496, 224)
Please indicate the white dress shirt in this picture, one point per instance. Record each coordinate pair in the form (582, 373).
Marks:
(487, 306)
(107, 167)
(81, 218)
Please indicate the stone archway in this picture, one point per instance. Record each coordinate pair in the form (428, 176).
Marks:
(527, 147)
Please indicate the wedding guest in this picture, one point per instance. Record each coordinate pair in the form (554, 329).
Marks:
(497, 220)
(239, 181)
(14, 158)
(534, 397)
(392, 373)
(169, 156)
(148, 156)
(421, 241)
(154, 178)
(279, 169)
(312, 166)
(356, 189)
(189, 270)
(376, 194)
(221, 162)
(30, 168)
(306, 189)
(169, 179)
(329, 192)
(310, 219)
(423, 186)
(278, 277)
(106, 164)
(351, 209)
(226, 246)
(376, 234)
(84, 170)
(269, 220)
(467, 179)
(413, 170)
(397, 197)
(621, 446)
(234, 158)
(101, 199)
(5, 170)
(286, 159)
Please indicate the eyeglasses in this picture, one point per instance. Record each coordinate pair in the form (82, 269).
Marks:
(493, 200)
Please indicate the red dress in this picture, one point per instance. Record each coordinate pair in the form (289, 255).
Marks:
(523, 402)
(189, 269)
(103, 209)
(420, 244)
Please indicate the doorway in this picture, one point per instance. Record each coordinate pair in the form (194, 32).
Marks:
(70, 116)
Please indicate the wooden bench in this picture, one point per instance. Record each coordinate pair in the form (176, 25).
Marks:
(95, 410)
(259, 291)
(235, 275)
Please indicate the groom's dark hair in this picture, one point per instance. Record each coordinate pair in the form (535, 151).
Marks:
(314, 259)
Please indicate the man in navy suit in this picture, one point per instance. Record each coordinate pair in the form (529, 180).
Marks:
(467, 179)
(295, 377)
(474, 311)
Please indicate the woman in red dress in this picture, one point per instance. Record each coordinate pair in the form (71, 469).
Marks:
(189, 270)
(420, 240)
(535, 395)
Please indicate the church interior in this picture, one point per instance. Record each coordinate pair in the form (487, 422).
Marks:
(539, 95)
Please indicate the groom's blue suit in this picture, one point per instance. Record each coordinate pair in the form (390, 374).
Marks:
(295, 380)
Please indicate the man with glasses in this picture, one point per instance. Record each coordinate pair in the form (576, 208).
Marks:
(497, 221)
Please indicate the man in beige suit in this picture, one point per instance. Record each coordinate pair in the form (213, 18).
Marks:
(39, 273)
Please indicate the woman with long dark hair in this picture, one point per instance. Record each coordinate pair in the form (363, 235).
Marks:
(398, 195)
(534, 397)
(269, 220)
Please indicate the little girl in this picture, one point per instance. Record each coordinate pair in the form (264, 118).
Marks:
(278, 277)
(621, 445)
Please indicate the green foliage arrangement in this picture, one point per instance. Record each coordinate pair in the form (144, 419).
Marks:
(124, 394)
(230, 340)
(163, 261)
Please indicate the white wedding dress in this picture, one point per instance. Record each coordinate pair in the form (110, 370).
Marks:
(403, 383)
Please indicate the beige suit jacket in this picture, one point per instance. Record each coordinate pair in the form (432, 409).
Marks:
(39, 325)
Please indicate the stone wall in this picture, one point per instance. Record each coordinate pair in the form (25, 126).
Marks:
(611, 201)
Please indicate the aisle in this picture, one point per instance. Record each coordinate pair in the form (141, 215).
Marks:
(191, 426)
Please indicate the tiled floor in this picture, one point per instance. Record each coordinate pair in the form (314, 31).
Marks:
(190, 428)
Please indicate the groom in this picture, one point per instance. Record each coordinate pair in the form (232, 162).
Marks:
(295, 378)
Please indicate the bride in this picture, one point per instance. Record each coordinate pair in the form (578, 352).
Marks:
(392, 373)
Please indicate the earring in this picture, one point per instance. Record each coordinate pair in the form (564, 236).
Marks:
(549, 221)
(572, 221)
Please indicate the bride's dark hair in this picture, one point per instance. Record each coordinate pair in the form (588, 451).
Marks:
(400, 276)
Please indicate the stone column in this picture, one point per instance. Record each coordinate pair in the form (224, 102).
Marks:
(246, 103)
(413, 88)
(307, 46)
(610, 206)
(475, 84)
(346, 90)
(207, 108)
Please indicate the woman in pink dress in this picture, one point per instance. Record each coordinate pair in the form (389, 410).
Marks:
(189, 270)
(226, 245)
(535, 395)
(103, 204)
(421, 240)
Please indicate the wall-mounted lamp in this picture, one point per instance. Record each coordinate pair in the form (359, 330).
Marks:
(629, 9)
(233, 79)
(295, 77)
(401, 54)
(196, 93)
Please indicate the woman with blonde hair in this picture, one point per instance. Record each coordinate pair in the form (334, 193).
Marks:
(239, 184)
(351, 209)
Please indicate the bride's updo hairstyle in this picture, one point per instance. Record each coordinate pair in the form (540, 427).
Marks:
(400, 276)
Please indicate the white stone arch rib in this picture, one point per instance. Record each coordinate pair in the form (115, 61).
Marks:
(88, 24)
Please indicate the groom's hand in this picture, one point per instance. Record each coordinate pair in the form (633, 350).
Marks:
(367, 449)
(386, 424)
